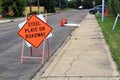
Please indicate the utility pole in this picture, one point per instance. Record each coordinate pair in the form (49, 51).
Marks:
(30, 7)
(103, 4)
(38, 6)
(93, 3)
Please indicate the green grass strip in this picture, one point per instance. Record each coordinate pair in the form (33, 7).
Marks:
(112, 37)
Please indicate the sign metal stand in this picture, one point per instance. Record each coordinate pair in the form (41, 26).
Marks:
(115, 22)
(31, 51)
(44, 45)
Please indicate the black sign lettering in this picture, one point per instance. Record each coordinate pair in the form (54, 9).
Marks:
(31, 30)
(35, 35)
(32, 24)
(41, 28)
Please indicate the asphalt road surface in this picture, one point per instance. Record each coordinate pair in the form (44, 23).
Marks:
(11, 45)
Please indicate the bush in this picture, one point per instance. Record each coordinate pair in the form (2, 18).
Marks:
(15, 6)
(49, 5)
(33, 12)
(114, 7)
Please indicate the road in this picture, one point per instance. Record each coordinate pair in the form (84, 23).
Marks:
(11, 45)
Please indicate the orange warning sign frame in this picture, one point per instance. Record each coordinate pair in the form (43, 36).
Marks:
(44, 46)
(35, 31)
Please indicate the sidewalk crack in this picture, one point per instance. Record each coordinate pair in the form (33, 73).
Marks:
(71, 64)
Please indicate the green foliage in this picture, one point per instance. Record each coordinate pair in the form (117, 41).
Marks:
(112, 37)
(87, 4)
(61, 3)
(71, 4)
(64, 4)
(33, 12)
(114, 7)
(98, 2)
(75, 3)
(49, 5)
(32, 2)
(17, 7)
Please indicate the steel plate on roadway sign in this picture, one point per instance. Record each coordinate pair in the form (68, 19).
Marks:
(35, 31)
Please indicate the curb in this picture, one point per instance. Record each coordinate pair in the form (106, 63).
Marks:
(2, 21)
(5, 21)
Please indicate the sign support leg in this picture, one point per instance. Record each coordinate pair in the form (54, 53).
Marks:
(22, 52)
(48, 48)
(43, 52)
(31, 50)
(115, 22)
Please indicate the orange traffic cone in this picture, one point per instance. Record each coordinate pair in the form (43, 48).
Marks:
(106, 12)
(61, 22)
(65, 20)
(1, 16)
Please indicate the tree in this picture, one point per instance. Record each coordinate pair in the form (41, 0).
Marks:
(87, 4)
(78, 3)
(61, 3)
(71, 4)
(49, 5)
(30, 3)
(99, 2)
(114, 7)
(75, 3)
(64, 4)
(17, 7)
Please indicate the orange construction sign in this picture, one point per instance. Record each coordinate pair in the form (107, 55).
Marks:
(35, 31)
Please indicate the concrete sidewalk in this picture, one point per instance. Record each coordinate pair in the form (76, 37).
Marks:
(85, 56)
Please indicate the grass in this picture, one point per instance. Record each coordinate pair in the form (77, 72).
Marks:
(112, 37)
